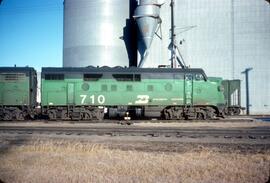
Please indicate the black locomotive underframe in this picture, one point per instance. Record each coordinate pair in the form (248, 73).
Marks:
(192, 112)
(19, 113)
(73, 112)
(132, 112)
(234, 110)
(9, 113)
(166, 112)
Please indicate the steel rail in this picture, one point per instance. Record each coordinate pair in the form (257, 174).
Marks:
(111, 121)
(247, 133)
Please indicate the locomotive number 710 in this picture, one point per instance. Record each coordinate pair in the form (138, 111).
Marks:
(100, 99)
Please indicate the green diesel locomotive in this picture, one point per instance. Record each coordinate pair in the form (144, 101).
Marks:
(90, 93)
(18, 91)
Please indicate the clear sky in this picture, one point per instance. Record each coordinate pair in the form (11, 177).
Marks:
(31, 33)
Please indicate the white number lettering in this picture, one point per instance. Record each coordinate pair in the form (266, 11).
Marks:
(83, 98)
(142, 99)
(92, 99)
(101, 99)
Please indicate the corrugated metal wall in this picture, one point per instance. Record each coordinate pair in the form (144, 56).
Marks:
(251, 49)
(228, 37)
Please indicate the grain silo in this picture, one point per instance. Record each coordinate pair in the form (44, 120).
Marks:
(99, 33)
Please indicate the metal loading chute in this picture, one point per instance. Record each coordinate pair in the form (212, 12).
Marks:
(147, 16)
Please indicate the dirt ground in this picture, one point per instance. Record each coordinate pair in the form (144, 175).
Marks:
(71, 161)
(52, 158)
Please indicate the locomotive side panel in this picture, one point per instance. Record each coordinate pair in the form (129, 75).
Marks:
(14, 89)
(111, 89)
(17, 93)
(208, 92)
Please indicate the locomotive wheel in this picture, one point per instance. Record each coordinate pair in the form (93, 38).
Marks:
(237, 111)
(201, 115)
(7, 116)
(167, 114)
(87, 116)
(210, 113)
(231, 112)
(170, 112)
(64, 115)
(19, 116)
(52, 115)
(99, 115)
(179, 115)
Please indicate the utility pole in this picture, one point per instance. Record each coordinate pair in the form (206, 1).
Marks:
(246, 71)
(173, 46)
(172, 35)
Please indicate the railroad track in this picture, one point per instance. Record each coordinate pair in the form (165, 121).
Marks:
(114, 121)
(259, 133)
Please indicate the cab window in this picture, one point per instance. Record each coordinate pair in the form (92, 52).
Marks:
(198, 77)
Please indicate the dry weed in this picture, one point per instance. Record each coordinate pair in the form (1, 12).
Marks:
(77, 162)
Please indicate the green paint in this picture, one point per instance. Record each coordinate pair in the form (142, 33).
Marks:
(70, 94)
(109, 92)
(14, 89)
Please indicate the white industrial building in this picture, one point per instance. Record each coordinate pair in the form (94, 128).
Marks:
(223, 37)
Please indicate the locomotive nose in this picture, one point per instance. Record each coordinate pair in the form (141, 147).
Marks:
(221, 88)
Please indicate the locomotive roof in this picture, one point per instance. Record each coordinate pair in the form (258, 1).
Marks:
(120, 70)
(16, 69)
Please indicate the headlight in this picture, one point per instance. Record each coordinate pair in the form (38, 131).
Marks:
(221, 88)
